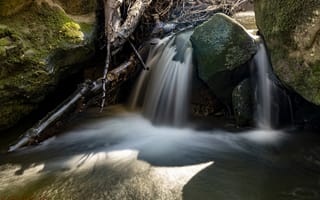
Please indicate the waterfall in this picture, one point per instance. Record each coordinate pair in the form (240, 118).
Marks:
(163, 91)
(264, 87)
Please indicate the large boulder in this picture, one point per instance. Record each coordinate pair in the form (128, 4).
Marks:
(291, 30)
(222, 47)
(40, 44)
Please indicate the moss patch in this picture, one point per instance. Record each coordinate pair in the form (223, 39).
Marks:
(47, 27)
(72, 30)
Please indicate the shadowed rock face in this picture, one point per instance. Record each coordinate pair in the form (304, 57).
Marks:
(242, 102)
(291, 30)
(40, 44)
(221, 48)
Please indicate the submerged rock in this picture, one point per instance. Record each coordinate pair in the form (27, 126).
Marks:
(292, 35)
(222, 48)
(40, 44)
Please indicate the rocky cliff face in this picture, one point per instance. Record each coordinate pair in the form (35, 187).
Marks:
(292, 32)
(40, 43)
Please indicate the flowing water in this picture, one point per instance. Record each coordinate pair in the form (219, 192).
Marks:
(264, 95)
(121, 154)
(164, 100)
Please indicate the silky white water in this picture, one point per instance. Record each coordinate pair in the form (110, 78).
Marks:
(264, 90)
(163, 91)
(122, 155)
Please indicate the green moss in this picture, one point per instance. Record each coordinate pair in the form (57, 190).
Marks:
(43, 28)
(72, 30)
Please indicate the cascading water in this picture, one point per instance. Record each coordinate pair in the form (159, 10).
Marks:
(264, 87)
(163, 91)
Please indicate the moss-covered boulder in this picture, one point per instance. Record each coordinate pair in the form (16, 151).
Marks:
(40, 44)
(221, 49)
(291, 30)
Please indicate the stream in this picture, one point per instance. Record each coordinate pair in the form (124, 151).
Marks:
(120, 155)
(152, 151)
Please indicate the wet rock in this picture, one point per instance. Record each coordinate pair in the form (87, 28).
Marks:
(222, 48)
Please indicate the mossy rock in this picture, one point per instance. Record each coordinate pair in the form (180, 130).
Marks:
(291, 30)
(222, 47)
(39, 46)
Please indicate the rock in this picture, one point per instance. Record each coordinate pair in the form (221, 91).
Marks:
(222, 48)
(40, 45)
(292, 36)
(203, 102)
(246, 19)
(242, 103)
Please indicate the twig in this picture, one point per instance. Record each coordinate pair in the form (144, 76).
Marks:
(138, 55)
(105, 72)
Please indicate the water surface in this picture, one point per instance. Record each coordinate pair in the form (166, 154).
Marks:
(121, 155)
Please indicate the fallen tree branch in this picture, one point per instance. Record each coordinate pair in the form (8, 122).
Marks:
(38, 133)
